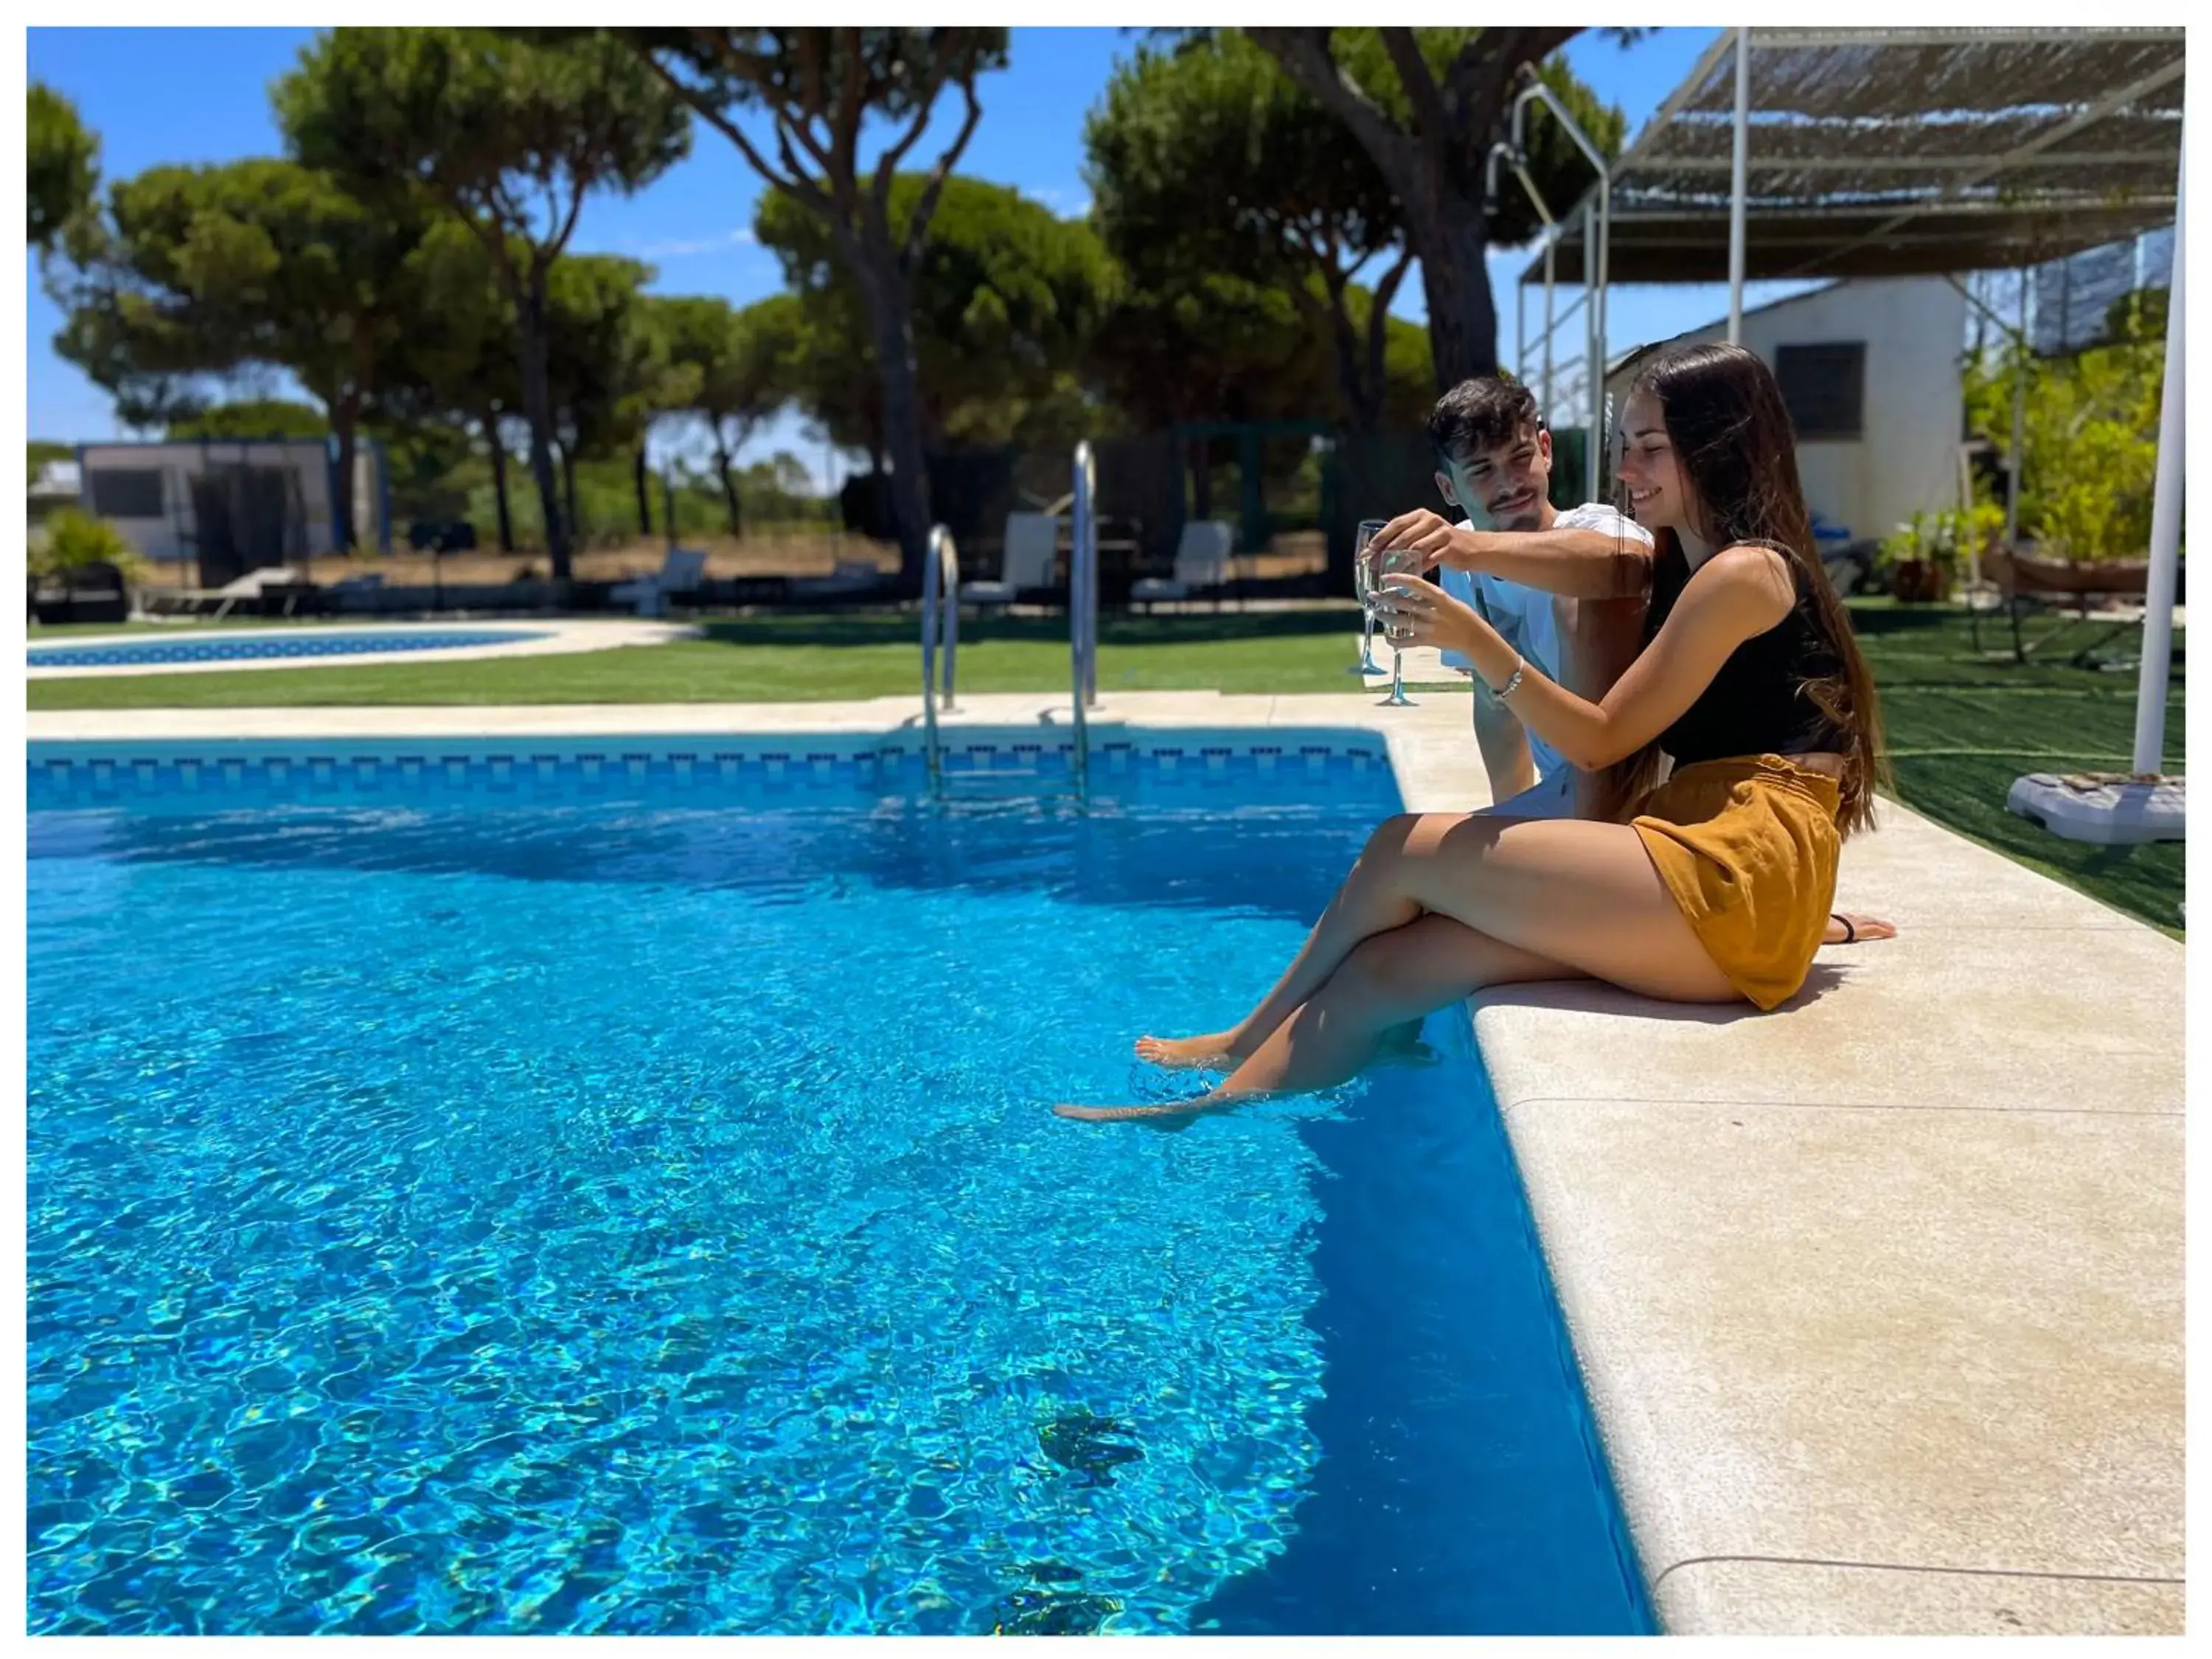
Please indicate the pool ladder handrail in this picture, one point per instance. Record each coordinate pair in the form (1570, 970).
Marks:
(940, 628)
(940, 640)
(1082, 609)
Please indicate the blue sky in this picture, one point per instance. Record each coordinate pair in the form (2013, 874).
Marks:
(161, 95)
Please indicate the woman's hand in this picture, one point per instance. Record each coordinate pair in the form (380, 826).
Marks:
(1412, 612)
(1420, 541)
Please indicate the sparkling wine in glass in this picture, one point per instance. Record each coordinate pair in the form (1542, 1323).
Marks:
(1365, 575)
(1397, 699)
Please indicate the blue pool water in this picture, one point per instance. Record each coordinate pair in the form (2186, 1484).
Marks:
(304, 642)
(641, 1213)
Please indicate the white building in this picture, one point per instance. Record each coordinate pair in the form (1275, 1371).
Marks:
(230, 505)
(1870, 369)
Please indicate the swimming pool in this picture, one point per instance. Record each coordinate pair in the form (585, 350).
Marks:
(304, 642)
(609, 1187)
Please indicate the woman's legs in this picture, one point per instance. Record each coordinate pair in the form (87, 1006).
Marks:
(1388, 980)
(1577, 898)
(1325, 947)
(1564, 888)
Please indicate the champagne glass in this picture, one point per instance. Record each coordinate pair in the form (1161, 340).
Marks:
(1397, 699)
(1365, 575)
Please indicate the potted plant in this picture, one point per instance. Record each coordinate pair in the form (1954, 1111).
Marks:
(1913, 561)
(1922, 558)
(82, 569)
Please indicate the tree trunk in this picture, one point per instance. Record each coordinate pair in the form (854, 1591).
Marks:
(729, 484)
(1362, 403)
(538, 408)
(1201, 480)
(644, 500)
(891, 314)
(568, 488)
(345, 420)
(1378, 336)
(1462, 317)
(1442, 200)
(490, 421)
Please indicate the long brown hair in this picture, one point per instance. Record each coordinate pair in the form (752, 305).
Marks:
(1731, 431)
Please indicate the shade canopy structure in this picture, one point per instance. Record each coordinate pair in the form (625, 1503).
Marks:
(1896, 153)
(1836, 153)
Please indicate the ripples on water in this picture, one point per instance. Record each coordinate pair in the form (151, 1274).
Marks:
(634, 1218)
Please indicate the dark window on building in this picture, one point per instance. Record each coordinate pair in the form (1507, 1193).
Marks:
(128, 493)
(1824, 387)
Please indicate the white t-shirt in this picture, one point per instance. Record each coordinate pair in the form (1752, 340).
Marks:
(1528, 616)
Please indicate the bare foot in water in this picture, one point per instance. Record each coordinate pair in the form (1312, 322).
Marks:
(1193, 1054)
(1169, 1115)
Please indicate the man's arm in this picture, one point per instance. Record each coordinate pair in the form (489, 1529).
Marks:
(1504, 744)
(1576, 564)
(1498, 732)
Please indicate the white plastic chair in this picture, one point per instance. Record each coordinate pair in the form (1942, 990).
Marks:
(1031, 557)
(682, 571)
(1201, 561)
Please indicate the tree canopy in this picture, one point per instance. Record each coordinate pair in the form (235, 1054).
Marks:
(820, 89)
(1426, 105)
(1006, 300)
(63, 164)
(510, 132)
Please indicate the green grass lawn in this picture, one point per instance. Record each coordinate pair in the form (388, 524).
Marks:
(1961, 727)
(789, 660)
(1961, 724)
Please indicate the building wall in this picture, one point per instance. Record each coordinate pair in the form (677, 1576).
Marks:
(169, 537)
(1906, 459)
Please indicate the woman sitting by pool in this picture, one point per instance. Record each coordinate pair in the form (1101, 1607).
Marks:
(1720, 888)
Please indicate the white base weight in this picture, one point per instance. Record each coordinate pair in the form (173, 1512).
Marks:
(2106, 808)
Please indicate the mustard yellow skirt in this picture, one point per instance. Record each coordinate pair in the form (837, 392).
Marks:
(1748, 846)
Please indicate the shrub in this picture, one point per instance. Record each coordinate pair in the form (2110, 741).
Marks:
(73, 538)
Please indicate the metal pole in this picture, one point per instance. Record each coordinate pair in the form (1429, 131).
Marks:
(945, 566)
(2021, 353)
(1091, 601)
(1544, 397)
(1079, 761)
(1521, 329)
(1593, 351)
(1739, 174)
(1597, 232)
(1604, 292)
(2165, 528)
(930, 579)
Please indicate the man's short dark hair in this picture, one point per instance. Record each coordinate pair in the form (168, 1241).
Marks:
(1480, 414)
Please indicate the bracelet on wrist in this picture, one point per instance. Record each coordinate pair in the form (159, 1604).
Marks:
(1512, 682)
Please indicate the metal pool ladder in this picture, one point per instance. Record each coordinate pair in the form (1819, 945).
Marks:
(940, 637)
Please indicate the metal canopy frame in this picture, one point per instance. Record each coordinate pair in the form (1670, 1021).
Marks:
(1596, 211)
(1911, 152)
(1887, 153)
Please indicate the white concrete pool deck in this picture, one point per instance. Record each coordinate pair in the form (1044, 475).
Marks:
(1878, 1297)
(553, 637)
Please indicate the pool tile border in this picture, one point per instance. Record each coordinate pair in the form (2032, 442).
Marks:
(1750, 1509)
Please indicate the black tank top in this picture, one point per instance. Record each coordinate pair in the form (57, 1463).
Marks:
(1756, 705)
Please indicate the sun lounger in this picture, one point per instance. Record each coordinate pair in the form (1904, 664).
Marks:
(681, 571)
(2024, 584)
(1030, 561)
(1202, 565)
(262, 587)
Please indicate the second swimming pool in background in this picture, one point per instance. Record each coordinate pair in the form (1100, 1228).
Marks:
(308, 644)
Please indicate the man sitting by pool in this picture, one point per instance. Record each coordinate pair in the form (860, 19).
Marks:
(1567, 589)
